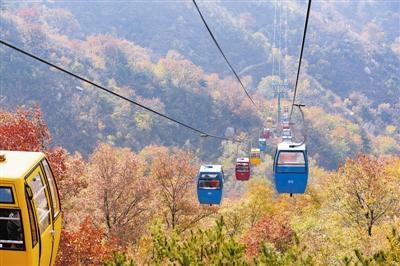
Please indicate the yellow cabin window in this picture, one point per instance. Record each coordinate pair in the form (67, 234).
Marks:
(41, 204)
(53, 188)
(11, 231)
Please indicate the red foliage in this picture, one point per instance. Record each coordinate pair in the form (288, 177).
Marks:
(24, 130)
(86, 246)
(57, 157)
(28, 13)
(271, 230)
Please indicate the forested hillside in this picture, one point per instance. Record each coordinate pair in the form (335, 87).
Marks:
(126, 55)
(159, 54)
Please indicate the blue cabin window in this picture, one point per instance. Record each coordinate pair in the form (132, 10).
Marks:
(6, 195)
(209, 181)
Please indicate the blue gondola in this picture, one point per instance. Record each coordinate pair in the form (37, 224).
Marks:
(210, 183)
(262, 144)
(291, 168)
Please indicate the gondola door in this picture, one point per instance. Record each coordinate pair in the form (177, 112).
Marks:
(40, 201)
(55, 208)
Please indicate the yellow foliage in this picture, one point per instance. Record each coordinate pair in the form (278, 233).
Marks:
(391, 129)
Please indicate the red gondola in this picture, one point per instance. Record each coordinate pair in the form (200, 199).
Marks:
(285, 126)
(242, 169)
(266, 133)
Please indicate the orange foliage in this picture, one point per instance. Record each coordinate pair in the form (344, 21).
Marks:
(86, 246)
(121, 192)
(180, 71)
(174, 172)
(268, 229)
(69, 170)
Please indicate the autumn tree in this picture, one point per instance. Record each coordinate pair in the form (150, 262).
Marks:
(75, 168)
(235, 217)
(258, 200)
(118, 192)
(24, 130)
(175, 172)
(85, 246)
(271, 229)
(365, 192)
(389, 256)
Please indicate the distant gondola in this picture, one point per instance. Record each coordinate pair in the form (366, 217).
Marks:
(255, 157)
(285, 125)
(262, 144)
(266, 133)
(242, 169)
(286, 135)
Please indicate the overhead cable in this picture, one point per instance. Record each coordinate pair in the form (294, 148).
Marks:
(201, 132)
(222, 53)
(301, 56)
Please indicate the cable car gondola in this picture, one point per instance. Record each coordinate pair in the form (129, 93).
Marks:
(242, 169)
(262, 144)
(286, 109)
(210, 183)
(290, 168)
(266, 133)
(285, 125)
(30, 213)
(286, 135)
(255, 157)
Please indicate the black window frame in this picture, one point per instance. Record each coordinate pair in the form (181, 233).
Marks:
(33, 223)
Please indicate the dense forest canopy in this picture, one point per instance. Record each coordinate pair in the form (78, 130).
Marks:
(158, 53)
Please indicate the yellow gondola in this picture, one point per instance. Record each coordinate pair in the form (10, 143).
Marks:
(255, 157)
(30, 212)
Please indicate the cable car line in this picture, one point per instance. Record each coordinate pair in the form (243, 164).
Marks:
(280, 39)
(223, 54)
(273, 43)
(201, 132)
(301, 56)
(285, 79)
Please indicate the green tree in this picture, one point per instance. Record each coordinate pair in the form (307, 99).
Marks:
(120, 259)
(203, 247)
